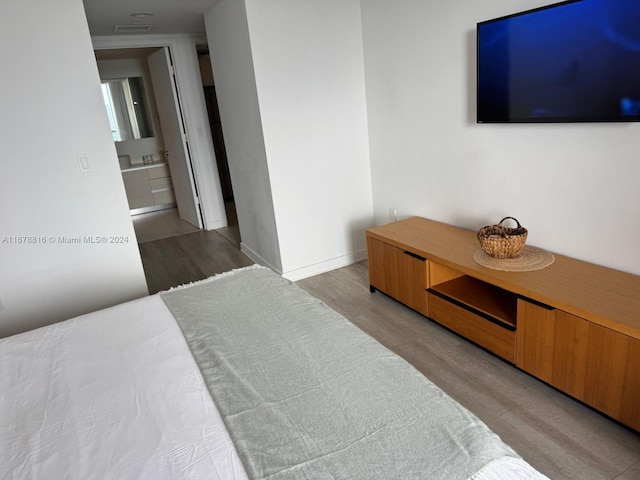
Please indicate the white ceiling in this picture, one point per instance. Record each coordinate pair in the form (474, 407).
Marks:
(169, 16)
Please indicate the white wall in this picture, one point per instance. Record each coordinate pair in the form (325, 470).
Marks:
(307, 62)
(230, 51)
(52, 110)
(574, 186)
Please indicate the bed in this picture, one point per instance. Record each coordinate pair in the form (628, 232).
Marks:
(243, 375)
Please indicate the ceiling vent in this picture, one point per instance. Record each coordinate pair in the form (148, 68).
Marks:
(132, 28)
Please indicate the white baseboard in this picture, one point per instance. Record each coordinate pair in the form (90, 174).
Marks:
(309, 270)
(257, 258)
(325, 266)
(214, 224)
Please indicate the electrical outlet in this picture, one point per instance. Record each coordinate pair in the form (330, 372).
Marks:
(392, 214)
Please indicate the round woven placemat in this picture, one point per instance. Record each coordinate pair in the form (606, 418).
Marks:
(530, 258)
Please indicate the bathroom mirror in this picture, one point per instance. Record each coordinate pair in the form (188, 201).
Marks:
(126, 107)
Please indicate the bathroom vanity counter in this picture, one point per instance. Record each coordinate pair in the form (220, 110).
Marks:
(145, 166)
(148, 187)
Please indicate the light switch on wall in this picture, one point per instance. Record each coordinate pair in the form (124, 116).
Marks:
(83, 162)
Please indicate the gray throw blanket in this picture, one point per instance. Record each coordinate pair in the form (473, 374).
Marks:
(305, 394)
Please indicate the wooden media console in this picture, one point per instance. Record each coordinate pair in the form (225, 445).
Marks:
(573, 324)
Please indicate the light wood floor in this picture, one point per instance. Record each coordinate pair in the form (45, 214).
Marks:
(560, 437)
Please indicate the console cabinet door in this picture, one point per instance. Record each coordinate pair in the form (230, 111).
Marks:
(592, 363)
(398, 273)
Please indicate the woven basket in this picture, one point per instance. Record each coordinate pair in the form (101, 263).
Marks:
(502, 242)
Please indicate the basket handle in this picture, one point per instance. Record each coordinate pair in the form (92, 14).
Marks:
(512, 218)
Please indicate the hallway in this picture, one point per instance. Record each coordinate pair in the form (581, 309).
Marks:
(175, 252)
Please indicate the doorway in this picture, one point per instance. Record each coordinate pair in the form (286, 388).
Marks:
(231, 231)
(216, 213)
(155, 162)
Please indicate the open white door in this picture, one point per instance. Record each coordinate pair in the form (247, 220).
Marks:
(173, 133)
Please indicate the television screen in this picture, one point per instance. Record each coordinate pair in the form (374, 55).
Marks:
(575, 61)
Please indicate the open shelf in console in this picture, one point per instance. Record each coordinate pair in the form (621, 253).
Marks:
(491, 302)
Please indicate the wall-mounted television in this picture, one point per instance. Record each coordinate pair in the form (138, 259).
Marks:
(575, 61)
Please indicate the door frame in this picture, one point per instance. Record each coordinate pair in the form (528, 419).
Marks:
(171, 120)
(189, 85)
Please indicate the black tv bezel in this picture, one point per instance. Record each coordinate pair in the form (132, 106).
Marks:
(568, 119)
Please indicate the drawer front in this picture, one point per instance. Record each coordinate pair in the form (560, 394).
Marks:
(479, 330)
(159, 172)
(163, 183)
(166, 196)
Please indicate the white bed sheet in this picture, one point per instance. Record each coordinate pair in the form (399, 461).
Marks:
(114, 394)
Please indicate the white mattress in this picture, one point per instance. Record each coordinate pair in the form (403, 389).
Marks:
(114, 394)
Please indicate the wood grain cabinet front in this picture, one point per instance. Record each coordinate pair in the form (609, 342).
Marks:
(592, 363)
(398, 273)
(586, 343)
